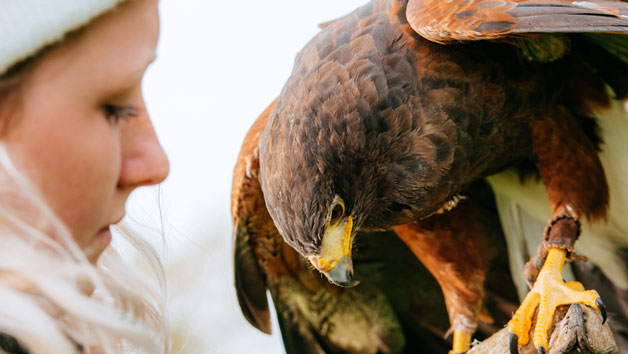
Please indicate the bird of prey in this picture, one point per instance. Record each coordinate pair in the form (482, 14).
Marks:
(398, 307)
(392, 111)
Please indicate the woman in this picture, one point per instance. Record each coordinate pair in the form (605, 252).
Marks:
(75, 141)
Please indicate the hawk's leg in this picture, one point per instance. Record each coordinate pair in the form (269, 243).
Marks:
(576, 186)
(450, 246)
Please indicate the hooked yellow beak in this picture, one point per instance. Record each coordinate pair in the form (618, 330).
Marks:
(334, 259)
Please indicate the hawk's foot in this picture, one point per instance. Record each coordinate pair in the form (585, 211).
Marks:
(549, 292)
(462, 342)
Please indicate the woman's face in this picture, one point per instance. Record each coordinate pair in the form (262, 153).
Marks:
(82, 133)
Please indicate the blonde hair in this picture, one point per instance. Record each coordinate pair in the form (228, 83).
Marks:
(52, 299)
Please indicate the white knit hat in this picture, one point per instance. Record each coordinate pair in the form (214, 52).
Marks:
(26, 26)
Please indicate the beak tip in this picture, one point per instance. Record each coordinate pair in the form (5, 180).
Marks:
(342, 274)
(350, 283)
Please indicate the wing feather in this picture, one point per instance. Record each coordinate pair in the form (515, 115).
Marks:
(450, 21)
(250, 220)
(249, 282)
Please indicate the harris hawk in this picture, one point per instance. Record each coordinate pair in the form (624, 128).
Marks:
(398, 307)
(392, 111)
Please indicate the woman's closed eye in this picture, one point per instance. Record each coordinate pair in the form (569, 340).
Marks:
(115, 113)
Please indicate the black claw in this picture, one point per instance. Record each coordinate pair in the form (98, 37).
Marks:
(540, 349)
(513, 343)
(602, 307)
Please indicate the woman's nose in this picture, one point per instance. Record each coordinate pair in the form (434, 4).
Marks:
(144, 162)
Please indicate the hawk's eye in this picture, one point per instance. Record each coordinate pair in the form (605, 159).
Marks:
(336, 213)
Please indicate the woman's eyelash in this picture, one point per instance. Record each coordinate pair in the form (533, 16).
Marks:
(117, 113)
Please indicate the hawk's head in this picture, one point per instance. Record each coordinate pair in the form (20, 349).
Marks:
(331, 164)
(346, 148)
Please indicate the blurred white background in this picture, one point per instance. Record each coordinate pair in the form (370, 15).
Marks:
(220, 63)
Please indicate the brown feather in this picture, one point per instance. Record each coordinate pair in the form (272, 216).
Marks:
(569, 165)
(251, 224)
(450, 21)
(451, 248)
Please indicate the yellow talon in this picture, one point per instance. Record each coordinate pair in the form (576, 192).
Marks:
(549, 292)
(462, 342)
